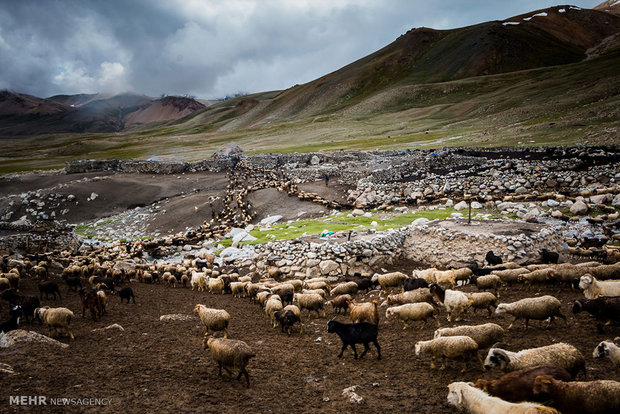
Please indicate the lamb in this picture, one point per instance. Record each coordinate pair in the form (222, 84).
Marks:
(608, 349)
(482, 300)
(355, 333)
(56, 318)
(340, 302)
(593, 397)
(230, 354)
(517, 386)
(4, 284)
(485, 335)
(411, 296)
(184, 280)
(532, 308)
(605, 309)
(592, 288)
(13, 277)
(213, 319)
(311, 302)
(364, 312)
(274, 303)
(450, 277)
(319, 284)
(215, 285)
(127, 293)
(199, 281)
(561, 355)
(548, 256)
(454, 301)
(451, 347)
(48, 288)
(475, 401)
(388, 280)
(412, 312)
(344, 288)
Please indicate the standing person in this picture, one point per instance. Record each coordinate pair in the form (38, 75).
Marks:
(326, 180)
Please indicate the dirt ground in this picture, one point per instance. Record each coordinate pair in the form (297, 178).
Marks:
(161, 366)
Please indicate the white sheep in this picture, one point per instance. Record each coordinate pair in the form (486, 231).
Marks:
(213, 319)
(346, 288)
(215, 284)
(297, 284)
(274, 303)
(561, 355)
(198, 280)
(452, 347)
(510, 276)
(426, 274)
(482, 300)
(444, 277)
(485, 335)
(319, 284)
(610, 350)
(230, 353)
(537, 276)
(56, 318)
(388, 280)
(532, 308)
(238, 289)
(463, 395)
(489, 282)
(593, 288)
(317, 291)
(454, 301)
(311, 302)
(411, 296)
(412, 312)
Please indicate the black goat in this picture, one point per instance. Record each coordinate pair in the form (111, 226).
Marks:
(355, 333)
(27, 303)
(414, 283)
(49, 288)
(605, 309)
(363, 283)
(547, 256)
(492, 259)
(126, 293)
(13, 323)
(287, 319)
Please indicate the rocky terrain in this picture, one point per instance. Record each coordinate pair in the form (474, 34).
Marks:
(148, 223)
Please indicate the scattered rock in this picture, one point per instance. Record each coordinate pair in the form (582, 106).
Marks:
(18, 336)
(350, 394)
(113, 326)
(175, 317)
(579, 208)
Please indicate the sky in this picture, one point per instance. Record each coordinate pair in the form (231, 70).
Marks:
(211, 48)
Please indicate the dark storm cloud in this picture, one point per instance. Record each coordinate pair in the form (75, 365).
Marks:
(209, 48)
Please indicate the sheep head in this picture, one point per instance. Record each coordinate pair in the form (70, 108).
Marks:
(496, 358)
(585, 281)
(455, 394)
(601, 351)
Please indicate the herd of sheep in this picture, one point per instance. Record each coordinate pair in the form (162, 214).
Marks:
(545, 373)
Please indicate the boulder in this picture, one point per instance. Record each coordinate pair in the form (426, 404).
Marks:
(579, 208)
(328, 266)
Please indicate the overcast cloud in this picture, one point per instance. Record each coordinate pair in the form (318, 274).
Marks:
(210, 48)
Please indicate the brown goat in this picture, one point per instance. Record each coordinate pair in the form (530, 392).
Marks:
(517, 386)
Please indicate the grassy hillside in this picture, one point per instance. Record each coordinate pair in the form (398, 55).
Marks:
(524, 81)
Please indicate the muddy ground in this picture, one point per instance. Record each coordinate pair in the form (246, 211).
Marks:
(161, 366)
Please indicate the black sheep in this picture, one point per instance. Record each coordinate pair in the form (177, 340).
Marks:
(548, 256)
(355, 333)
(492, 259)
(73, 282)
(605, 309)
(27, 303)
(49, 288)
(414, 283)
(13, 322)
(286, 319)
(126, 293)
